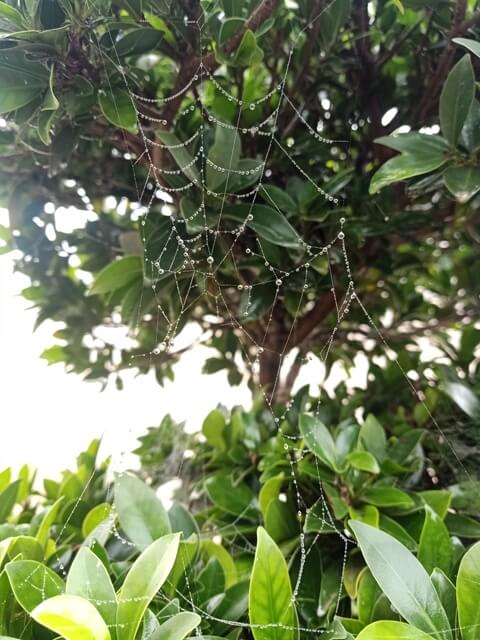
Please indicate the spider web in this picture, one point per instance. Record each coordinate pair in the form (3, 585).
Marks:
(200, 263)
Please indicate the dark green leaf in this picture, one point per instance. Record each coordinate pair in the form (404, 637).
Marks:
(468, 593)
(456, 97)
(462, 182)
(118, 108)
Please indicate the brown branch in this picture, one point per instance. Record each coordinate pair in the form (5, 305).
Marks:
(312, 319)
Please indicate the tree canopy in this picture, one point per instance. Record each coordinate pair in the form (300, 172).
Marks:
(284, 175)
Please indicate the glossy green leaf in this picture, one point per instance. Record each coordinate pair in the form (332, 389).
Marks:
(462, 526)
(470, 134)
(182, 521)
(372, 604)
(213, 550)
(117, 274)
(270, 491)
(456, 97)
(89, 579)
(278, 198)
(319, 440)
(462, 182)
(248, 52)
(391, 630)
(145, 578)
(140, 513)
(438, 499)
(363, 461)
(468, 593)
(471, 45)
(72, 617)
(446, 592)
(270, 599)
(403, 167)
(94, 517)
(11, 19)
(118, 108)
(403, 580)
(435, 550)
(397, 531)
(414, 143)
(32, 583)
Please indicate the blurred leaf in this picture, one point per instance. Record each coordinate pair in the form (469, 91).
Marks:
(462, 182)
(456, 98)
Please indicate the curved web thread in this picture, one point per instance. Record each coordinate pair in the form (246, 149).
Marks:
(203, 245)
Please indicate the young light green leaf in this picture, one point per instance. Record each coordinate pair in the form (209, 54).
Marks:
(95, 517)
(181, 155)
(118, 108)
(145, 578)
(267, 222)
(89, 579)
(177, 627)
(71, 617)
(372, 437)
(391, 630)
(446, 592)
(212, 429)
(468, 593)
(383, 496)
(32, 583)
(270, 597)
(435, 550)
(403, 580)
(117, 274)
(140, 512)
(47, 521)
(363, 461)
(456, 97)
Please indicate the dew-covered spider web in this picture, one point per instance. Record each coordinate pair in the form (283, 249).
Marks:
(199, 242)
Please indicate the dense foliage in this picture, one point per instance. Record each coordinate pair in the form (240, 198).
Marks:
(358, 71)
(266, 547)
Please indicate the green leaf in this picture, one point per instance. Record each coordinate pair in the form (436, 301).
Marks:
(446, 592)
(230, 496)
(11, 19)
(214, 550)
(383, 496)
(145, 578)
(8, 498)
(391, 630)
(270, 597)
(363, 461)
(95, 517)
(89, 579)
(456, 97)
(224, 153)
(140, 512)
(470, 135)
(248, 52)
(397, 531)
(47, 521)
(47, 112)
(181, 155)
(462, 182)
(177, 627)
(438, 499)
(213, 427)
(21, 80)
(403, 167)
(462, 526)
(468, 593)
(403, 580)
(278, 198)
(463, 396)
(435, 550)
(268, 223)
(371, 602)
(72, 617)
(182, 521)
(270, 491)
(372, 438)
(414, 143)
(32, 583)
(118, 108)
(138, 41)
(117, 274)
(332, 19)
(471, 45)
(319, 440)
